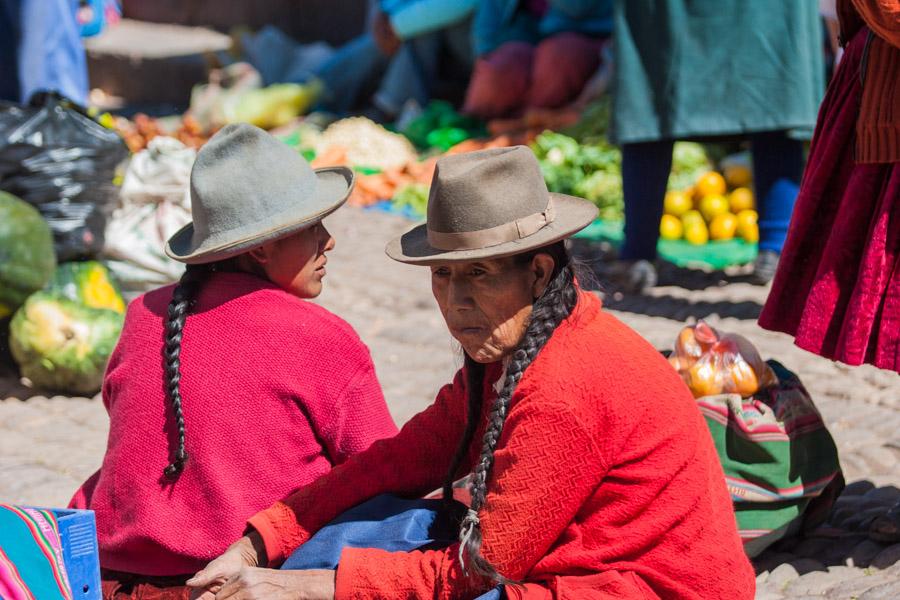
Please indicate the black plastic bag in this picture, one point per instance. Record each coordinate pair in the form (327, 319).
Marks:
(57, 158)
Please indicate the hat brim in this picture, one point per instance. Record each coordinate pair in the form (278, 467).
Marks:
(572, 215)
(333, 188)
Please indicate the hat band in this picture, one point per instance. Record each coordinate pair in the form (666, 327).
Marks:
(493, 236)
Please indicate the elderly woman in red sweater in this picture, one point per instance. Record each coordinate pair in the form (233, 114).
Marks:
(222, 393)
(593, 476)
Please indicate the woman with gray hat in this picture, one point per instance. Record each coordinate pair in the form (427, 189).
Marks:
(223, 391)
(592, 472)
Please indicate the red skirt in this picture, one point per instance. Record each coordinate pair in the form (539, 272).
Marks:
(837, 290)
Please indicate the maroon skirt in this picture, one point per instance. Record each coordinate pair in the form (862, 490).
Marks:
(837, 290)
(127, 586)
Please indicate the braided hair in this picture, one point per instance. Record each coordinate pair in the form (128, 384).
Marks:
(548, 311)
(182, 300)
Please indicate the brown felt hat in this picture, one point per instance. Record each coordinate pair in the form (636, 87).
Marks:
(248, 188)
(490, 204)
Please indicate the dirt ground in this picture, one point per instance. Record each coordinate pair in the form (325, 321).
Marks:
(49, 445)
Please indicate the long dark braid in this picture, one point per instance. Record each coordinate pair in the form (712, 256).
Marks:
(548, 311)
(182, 300)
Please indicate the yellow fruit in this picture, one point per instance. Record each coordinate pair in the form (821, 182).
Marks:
(691, 216)
(747, 227)
(738, 175)
(741, 199)
(723, 227)
(703, 379)
(710, 184)
(670, 228)
(687, 346)
(677, 203)
(696, 233)
(743, 378)
(713, 206)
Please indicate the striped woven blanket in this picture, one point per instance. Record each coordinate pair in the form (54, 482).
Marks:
(778, 458)
(31, 559)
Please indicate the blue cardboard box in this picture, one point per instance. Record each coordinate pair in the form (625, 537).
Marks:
(78, 534)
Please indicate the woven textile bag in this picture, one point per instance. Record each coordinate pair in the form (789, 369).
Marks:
(781, 464)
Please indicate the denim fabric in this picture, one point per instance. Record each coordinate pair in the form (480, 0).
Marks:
(386, 522)
(51, 55)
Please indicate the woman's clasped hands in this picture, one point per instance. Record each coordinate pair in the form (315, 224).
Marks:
(236, 576)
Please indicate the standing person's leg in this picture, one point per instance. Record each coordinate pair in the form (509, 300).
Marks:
(563, 63)
(777, 170)
(51, 54)
(355, 66)
(410, 74)
(645, 174)
(9, 39)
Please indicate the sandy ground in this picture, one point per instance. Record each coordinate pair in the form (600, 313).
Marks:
(49, 445)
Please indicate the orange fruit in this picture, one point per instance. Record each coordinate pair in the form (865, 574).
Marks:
(703, 380)
(670, 228)
(737, 175)
(747, 227)
(743, 378)
(695, 231)
(677, 203)
(741, 199)
(723, 227)
(713, 206)
(692, 216)
(686, 345)
(680, 363)
(710, 184)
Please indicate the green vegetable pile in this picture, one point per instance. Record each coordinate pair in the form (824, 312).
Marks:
(581, 162)
(591, 171)
(689, 162)
(412, 197)
(440, 126)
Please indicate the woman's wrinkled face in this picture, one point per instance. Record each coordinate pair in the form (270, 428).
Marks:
(296, 263)
(486, 303)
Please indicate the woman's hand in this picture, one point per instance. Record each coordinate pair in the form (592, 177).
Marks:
(266, 584)
(249, 551)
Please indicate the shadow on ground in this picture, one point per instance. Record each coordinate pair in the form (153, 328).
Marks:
(844, 539)
(598, 272)
(681, 309)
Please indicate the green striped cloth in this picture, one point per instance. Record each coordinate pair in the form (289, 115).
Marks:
(781, 464)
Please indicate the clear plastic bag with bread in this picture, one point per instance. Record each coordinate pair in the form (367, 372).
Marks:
(712, 362)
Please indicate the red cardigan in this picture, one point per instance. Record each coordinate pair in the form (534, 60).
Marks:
(605, 479)
(276, 391)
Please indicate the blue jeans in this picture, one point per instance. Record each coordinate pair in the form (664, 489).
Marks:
(407, 75)
(41, 49)
(386, 522)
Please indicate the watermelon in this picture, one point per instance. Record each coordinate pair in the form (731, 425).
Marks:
(27, 259)
(89, 283)
(61, 345)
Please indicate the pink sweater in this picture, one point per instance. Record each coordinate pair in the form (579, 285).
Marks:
(276, 391)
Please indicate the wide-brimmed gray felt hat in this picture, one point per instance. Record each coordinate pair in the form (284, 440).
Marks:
(490, 204)
(248, 188)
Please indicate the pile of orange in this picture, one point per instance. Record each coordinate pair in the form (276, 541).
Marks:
(717, 207)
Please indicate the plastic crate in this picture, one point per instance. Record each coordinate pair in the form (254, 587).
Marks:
(78, 534)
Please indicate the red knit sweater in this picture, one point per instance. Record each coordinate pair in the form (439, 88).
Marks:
(605, 484)
(276, 391)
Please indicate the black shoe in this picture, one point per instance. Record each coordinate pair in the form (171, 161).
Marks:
(764, 267)
(630, 276)
(886, 528)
